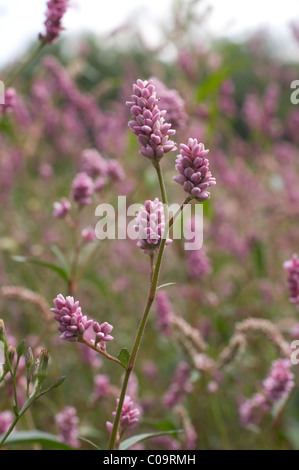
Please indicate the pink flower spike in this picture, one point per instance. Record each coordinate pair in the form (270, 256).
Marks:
(193, 168)
(292, 268)
(149, 123)
(82, 189)
(150, 225)
(71, 323)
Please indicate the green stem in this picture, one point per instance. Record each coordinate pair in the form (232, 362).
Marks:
(11, 428)
(25, 407)
(23, 66)
(113, 435)
(186, 201)
(219, 422)
(90, 259)
(13, 379)
(161, 183)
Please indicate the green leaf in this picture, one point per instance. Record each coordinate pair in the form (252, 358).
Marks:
(124, 357)
(167, 284)
(45, 439)
(56, 384)
(259, 258)
(163, 425)
(142, 437)
(212, 83)
(60, 256)
(90, 443)
(53, 267)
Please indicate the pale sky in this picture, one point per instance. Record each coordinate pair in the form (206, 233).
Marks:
(22, 20)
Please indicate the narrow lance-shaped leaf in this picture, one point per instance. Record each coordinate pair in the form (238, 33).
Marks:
(60, 271)
(45, 439)
(142, 437)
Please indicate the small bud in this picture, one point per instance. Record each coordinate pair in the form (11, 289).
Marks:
(42, 366)
(11, 351)
(29, 361)
(21, 348)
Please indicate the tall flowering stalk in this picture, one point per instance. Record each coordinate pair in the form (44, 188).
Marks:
(53, 23)
(153, 225)
(153, 134)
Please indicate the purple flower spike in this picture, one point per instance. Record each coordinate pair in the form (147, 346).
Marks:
(198, 263)
(252, 411)
(150, 225)
(164, 313)
(129, 415)
(67, 422)
(115, 170)
(82, 189)
(172, 102)
(292, 268)
(193, 167)
(102, 387)
(280, 380)
(103, 331)
(180, 386)
(93, 163)
(71, 322)
(56, 10)
(61, 208)
(148, 122)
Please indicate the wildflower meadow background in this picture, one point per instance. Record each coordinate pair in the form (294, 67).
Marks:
(141, 344)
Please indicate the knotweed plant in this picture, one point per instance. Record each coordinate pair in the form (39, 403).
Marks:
(201, 330)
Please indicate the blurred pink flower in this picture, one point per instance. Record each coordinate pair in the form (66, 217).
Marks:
(56, 10)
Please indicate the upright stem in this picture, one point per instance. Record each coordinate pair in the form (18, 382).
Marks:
(186, 201)
(13, 379)
(23, 66)
(141, 328)
(161, 183)
(25, 407)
